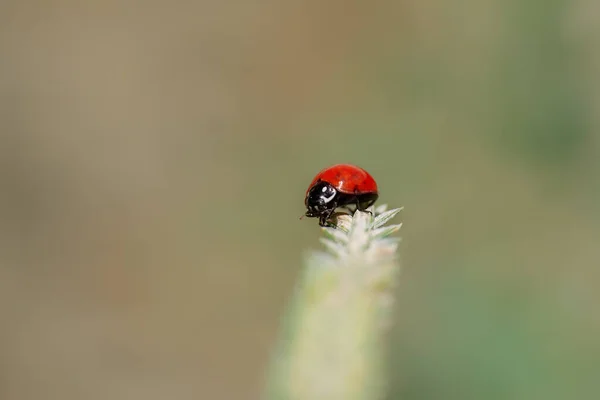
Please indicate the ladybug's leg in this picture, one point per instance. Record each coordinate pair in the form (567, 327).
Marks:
(371, 202)
(364, 209)
(324, 218)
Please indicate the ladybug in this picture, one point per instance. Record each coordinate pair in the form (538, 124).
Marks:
(340, 185)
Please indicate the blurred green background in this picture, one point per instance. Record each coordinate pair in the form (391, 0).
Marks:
(154, 158)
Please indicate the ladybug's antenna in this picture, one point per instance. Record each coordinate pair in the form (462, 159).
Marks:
(302, 216)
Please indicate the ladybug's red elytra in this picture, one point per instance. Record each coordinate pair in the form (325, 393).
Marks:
(340, 185)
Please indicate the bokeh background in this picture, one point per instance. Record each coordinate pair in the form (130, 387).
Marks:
(153, 162)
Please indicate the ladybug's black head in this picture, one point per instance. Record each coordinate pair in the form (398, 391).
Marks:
(320, 199)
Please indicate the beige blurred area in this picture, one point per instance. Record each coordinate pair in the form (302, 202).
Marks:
(154, 158)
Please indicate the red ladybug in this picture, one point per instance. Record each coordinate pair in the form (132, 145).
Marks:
(339, 186)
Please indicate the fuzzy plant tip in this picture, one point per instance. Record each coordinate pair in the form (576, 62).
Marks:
(332, 343)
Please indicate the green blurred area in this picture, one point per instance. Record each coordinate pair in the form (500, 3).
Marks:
(154, 159)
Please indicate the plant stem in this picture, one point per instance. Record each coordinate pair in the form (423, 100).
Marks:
(333, 343)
